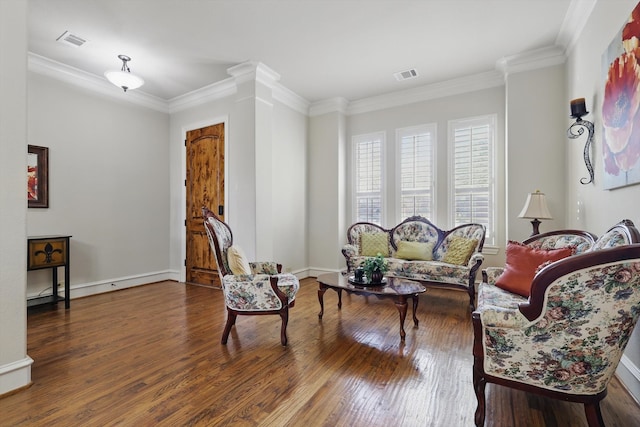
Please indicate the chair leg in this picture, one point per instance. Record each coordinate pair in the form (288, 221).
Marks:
(284, 314)
(231, 320)
(479, 384)
(594, 414)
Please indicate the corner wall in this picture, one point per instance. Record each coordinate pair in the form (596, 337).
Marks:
(591, 207)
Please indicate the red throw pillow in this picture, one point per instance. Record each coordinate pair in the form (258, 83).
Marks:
(522, 264)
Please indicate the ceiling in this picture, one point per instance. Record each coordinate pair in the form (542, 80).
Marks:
(322, 49)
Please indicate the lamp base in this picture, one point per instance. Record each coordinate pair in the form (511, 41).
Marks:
(536, 224)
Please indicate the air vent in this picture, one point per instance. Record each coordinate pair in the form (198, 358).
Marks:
(71, 39)
(404, 75)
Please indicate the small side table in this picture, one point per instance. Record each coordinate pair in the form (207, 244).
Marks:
(51, 252)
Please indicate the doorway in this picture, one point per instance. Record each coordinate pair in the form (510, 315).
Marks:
(204, 185)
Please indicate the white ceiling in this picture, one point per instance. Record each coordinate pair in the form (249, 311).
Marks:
(321, 48)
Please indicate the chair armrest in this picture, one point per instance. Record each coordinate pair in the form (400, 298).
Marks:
(501, 317)
(491, 274)
(265, 267)
(476, 259)
(350, 251)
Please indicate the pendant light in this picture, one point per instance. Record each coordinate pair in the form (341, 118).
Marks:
(124, 78)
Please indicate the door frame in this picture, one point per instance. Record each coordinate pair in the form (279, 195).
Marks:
(183, 176)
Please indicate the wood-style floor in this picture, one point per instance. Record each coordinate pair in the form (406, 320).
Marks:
(151, 355)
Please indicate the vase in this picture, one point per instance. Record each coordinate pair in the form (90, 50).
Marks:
(376, 276)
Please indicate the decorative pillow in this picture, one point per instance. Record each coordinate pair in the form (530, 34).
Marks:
(415, 250)
(523, 263)
(237, 261)
(372, 244)
(460, 250)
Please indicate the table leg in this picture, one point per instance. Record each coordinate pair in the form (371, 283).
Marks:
(339, 298)
(321, 291)
(54, 283)
(401, 304)
(415, 299)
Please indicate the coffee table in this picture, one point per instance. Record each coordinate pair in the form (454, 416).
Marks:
(397, 289)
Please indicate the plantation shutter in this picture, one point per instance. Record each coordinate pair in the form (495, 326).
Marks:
(416, 171)
(368, 178)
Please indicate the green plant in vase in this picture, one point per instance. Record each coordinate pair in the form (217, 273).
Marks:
(375, 267)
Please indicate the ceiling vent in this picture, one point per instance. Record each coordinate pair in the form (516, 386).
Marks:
(404, 75)
(71, 39)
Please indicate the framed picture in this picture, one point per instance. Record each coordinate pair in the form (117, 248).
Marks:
(621, 106)
(38, 177)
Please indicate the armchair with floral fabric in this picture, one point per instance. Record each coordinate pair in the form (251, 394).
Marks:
(255, 287)
(566, 339)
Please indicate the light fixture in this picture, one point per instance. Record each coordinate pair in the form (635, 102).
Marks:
(579, 109)
(535, 208)
(124, 78)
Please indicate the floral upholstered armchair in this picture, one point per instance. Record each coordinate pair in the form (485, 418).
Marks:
(248, 287)
(566, 339)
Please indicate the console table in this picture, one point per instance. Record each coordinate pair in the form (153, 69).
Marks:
(51, 252)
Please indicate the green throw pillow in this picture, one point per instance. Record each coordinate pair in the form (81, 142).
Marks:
(415, 250)
(460, 250)
(372, 244)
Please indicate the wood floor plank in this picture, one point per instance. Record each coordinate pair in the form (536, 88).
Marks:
(151, 355)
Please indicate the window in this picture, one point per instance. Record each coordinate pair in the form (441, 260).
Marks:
(368, 185)
(471, 143)
(416, 153)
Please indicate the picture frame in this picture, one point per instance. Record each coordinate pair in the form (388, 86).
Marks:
(38, 176)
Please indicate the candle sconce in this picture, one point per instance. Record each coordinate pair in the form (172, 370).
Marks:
(579, 109)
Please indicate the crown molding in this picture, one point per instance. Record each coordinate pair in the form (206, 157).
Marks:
(575, 19)
(443, 89)
(212, 92)
(531, 60)
(47, 67)
(291, 99)
(339, 105)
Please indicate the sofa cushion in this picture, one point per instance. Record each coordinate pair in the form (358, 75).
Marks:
(460, 250)
(372, 244)
(522, 265)
(422, 251)
(238, 261)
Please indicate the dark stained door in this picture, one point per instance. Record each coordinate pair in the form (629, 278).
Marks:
(204, 187)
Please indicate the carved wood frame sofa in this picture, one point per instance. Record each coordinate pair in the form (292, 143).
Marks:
(434, 272)
(566, 340)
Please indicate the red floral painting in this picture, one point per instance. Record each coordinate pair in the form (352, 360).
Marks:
(621, 106)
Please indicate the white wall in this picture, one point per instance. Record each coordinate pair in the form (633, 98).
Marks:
(601, 208)
(108, 186)
(15, 365)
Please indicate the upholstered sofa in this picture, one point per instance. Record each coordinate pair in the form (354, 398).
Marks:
(418, 250)
(564, 336)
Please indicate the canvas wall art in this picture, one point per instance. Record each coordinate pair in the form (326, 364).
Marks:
(620, 106)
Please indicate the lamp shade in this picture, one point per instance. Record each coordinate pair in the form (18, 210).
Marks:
(124, 79)
(535, 207)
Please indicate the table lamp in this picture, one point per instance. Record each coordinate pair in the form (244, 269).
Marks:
(535, 208)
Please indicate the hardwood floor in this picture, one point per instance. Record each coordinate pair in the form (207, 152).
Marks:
(151, 355)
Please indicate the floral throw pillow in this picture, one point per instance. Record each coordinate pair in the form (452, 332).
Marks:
(372, 244)
(523, 262)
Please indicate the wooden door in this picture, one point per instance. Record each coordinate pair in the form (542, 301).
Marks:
(204, 187)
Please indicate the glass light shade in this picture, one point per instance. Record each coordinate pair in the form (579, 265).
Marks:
(535, 207)
(124, 79)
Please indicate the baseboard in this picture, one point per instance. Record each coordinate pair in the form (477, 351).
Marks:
(93, 288)
(629, 375)
(315, 272)
(15, 375)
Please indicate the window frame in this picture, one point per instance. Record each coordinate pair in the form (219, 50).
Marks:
(431, 128)
(491, 121)
(355, 140)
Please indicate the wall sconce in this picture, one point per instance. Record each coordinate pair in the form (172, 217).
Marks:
(579, 109)
(535, 208)
(123, 78)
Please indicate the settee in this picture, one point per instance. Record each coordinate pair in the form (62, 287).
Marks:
(563, 334)
(416, 249)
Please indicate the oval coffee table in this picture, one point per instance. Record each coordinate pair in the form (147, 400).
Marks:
(397, 289)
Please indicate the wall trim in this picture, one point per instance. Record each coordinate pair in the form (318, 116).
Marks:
(102, 286)
(629, 375)
(531, 60)
(15, 375)
(50, 68)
